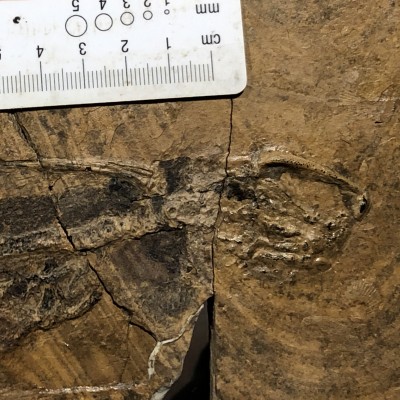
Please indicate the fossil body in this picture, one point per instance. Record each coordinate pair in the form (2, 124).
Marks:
(137, 229)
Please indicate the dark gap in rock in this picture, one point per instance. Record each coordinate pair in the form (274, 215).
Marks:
(194, 382)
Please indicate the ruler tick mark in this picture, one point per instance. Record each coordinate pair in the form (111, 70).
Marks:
(169, 69)
(126, 71)
(83, 73)
(41, 75)
(212, 65)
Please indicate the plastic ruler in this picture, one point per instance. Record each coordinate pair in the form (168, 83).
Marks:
(68, 52)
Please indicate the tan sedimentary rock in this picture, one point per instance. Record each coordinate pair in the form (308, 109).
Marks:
(306, 254)
(107, 219)
(118, 222)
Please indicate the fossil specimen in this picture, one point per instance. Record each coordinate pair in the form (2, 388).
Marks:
(282, 213)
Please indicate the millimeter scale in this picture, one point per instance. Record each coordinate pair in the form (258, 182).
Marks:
(67, 52)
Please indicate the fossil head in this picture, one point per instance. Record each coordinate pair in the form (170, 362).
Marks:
(285, 211)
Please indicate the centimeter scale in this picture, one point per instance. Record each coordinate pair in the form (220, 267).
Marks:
(68, 52)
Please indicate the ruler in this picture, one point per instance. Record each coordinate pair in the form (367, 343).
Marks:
(66, 52)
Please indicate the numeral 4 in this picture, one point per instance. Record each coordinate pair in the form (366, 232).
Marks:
(39, 51)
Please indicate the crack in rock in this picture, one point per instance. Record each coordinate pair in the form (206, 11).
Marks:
(153, 356)
(89, 389)
(26, 136)
(119, 306)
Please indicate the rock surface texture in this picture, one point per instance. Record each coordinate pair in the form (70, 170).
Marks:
(117, 224)
(307, 282)
(107, 219)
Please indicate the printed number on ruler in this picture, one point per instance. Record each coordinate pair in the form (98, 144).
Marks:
(97, 51)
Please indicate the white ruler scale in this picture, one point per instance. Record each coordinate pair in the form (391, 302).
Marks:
(64, 52)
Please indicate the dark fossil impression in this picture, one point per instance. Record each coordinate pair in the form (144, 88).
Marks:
(146, 237)
(143, 237)
(290, 215)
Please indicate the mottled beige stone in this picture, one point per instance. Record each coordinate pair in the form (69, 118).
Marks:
(307, 288)
(118, 222)
(106, 238)
(13, 144)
